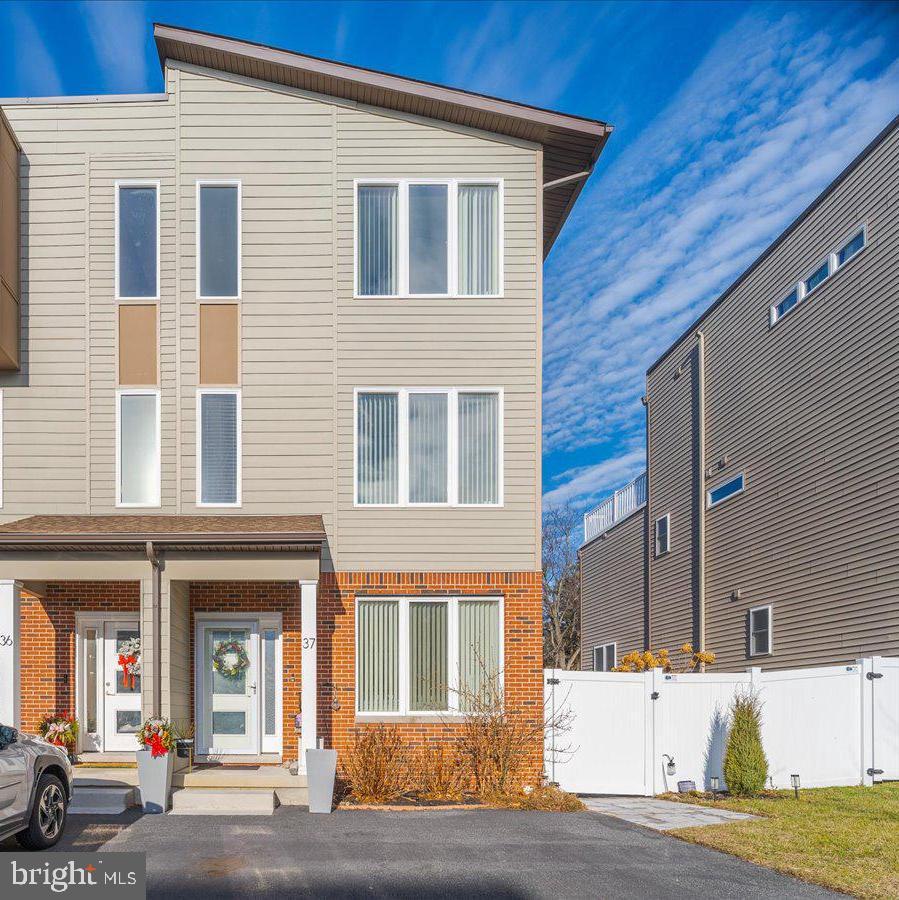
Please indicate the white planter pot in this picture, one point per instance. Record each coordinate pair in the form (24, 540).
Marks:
(155, 776)
(321, 770)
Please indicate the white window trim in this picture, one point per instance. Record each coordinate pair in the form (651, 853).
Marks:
(659, 552)
(755, 609)
(452, 639)
(232, 182)
(603, 647)
(833, 267)
(452, 255)
(127, 183)
(452, 482)
(711, 490)
(239, 484)
(130, 392)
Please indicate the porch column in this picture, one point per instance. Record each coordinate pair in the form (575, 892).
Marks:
(308, 667)
(10, 668)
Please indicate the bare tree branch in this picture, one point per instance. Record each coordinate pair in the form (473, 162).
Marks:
(561, 588)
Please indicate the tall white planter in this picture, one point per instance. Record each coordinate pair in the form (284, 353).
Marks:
(321, 770)
(155, 776)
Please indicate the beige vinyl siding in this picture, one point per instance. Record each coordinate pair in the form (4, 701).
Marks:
(441, 343)
(613, 589)
(177, 662)
(671, 391)
(808, 410)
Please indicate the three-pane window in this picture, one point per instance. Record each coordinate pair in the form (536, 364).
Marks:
(218, 448)
(422, 655)
(137, 240)
(760, 628)
(218, 240)
(429, 238)
(138, 448)
(428, 446)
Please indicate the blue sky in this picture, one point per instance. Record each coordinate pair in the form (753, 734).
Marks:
(729, 118)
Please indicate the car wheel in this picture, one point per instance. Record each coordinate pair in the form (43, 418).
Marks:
(48, 815)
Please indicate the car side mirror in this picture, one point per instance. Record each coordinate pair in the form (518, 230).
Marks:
(8, 735)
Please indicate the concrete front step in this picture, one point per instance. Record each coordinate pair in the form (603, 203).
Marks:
(223, 802)
(103, 801)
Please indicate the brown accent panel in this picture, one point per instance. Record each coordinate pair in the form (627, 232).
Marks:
(219, 343)
(138, 362)
(9, 247)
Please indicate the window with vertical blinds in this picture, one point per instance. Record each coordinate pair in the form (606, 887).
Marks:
(428, 448)
(478, 224)
(429, 238)
(377, 656)
(376, 239)
(377, 448)
(138, 449)
(450, 452)
(478, 448)
(418, 656)
(219, 448)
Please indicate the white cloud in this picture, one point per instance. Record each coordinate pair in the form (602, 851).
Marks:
(768, 118)
(32, 55)
(118, 33)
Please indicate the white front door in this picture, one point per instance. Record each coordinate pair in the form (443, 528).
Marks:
(121, 707)
(227, 687)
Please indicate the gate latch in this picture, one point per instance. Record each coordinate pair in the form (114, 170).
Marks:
(654, 695)
(875, 771)
(872, 675)
(553, 681)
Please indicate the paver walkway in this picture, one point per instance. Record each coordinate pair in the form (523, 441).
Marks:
(663, 815)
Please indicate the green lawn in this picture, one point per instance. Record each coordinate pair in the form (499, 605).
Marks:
(843, 838)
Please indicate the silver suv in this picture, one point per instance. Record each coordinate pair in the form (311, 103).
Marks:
(35, 789)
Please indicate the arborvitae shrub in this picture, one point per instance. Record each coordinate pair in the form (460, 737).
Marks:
(745, 764)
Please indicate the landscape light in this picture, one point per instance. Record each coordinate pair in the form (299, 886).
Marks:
(716, 783)
(794, 780)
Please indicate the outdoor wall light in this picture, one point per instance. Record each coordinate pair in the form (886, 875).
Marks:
(670, 767)
(716, 784)
(794, 780)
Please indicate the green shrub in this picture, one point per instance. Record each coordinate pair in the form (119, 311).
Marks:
(745, 764)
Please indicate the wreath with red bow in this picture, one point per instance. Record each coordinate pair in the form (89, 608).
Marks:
(129, 660)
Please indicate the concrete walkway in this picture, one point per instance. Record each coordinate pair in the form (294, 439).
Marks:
(663, 815)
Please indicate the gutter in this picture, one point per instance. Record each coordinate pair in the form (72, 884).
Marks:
(155, 562)
(167, 538)
(700, 486)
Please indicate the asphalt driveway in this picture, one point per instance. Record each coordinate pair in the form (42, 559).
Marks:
(424, 854)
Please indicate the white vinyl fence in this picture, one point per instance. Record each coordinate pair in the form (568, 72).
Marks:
(836, 725)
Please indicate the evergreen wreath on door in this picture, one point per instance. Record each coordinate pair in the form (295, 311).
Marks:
(230, 658)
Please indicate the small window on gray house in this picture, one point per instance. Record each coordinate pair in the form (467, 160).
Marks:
(786, 304)
(820, 274)
(663, 534)
(850, 248)
(760, 631)
(219, 240)
(604, 657)
(724, 491)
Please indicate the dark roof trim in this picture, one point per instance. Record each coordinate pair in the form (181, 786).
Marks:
(376, 78)
(162, 539)
(781, 239)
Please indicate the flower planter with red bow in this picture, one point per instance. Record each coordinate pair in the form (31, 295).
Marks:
(155, 763)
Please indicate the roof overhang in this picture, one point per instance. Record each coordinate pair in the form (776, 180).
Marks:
(571, 144)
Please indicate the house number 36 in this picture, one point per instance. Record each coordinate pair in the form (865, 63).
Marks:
(5, 640)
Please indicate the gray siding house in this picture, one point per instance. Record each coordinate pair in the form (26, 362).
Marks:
(764, 529)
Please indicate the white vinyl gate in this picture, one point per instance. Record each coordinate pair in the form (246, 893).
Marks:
(617, 732)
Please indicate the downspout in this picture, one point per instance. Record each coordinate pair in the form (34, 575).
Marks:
(156, 704)
(700, 486)
(647, 540)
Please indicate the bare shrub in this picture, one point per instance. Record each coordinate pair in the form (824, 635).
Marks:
(441, 773)
(376, 767)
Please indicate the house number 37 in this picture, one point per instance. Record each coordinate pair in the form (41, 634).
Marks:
(308, 643)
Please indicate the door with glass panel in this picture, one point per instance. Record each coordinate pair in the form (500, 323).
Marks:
(121, 714)
(227, 688)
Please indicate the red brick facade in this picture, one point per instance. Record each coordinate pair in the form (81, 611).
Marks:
(48, 641)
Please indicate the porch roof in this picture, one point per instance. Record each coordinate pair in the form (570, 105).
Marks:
(233, 532)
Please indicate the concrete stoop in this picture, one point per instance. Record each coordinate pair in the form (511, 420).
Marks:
(102, 800)
(223, 801)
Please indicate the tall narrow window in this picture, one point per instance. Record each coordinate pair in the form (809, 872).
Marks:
(137, 240)
(376, 239)
(478, 224)
(428, 448)
(218, 447)
(377, 448)
(428, 648)
(218, 240)
(377, 657)
(760, 628)
(478, 448)
(479, 653)
(428, 238)
(663, 534)
(138, 449)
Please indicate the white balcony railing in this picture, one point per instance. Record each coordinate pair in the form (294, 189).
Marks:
(613, 509)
